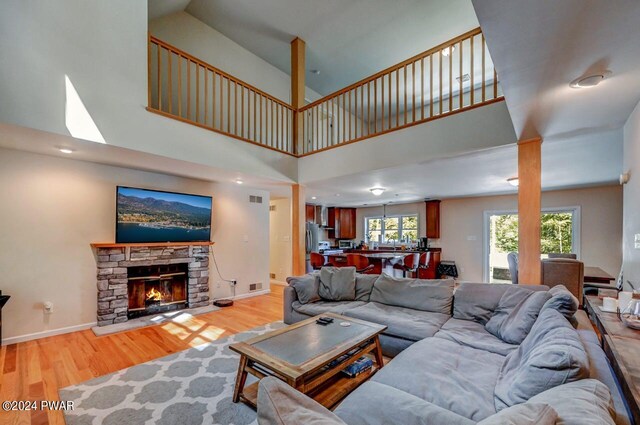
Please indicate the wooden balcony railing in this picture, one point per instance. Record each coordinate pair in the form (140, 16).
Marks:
(455, 76)
(190, 90)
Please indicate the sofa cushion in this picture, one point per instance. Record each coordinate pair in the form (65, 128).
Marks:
(364, 285)
(523, 414)
(584, 402)
(306, 287)
(516, 313)
(418, 294)
(322, 307)
(477, 301)
(280, 404)
(376, 403)
(551, 355)
(474, 335)
(457, 378)
(563, 301)
(338, 283)
(401, 322)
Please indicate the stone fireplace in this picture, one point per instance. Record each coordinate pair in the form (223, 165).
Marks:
(135, 280)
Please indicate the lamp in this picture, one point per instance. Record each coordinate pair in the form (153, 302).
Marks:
(377, 191)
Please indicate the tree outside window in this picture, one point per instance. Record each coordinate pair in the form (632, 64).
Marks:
(390, 229)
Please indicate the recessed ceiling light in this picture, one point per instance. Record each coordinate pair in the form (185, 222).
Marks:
(238, 181)
(314, 197)
(447, 50)
(66, 150)
(513, 181)
(590, 80)
(377, 191)
(337, 194)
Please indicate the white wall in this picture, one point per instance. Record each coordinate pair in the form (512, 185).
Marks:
(280, 227)
(102, 47)
(632, 196)
(53, 208)
(461, 219)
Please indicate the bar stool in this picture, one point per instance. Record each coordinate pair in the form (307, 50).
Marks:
(409, 263)
(317, 260)
(360, 262)
(423, 266)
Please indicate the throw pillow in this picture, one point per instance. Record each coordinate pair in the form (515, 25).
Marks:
(563, 301)
(306, 287)
(364, 285)
(516, 313)
(337, 283)
(523, 414)
(280, 404)
(419, 294)
(584, 402)
(552, 354)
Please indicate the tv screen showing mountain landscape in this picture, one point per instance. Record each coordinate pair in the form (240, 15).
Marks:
(152, 216)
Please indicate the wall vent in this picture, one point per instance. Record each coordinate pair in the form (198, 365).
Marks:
(272, 207)
(272, 275)
(255, 199)
(255, 286)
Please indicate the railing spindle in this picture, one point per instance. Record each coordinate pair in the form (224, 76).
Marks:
(197, 93)
(460, 82)
(450, 79)
(483, 71)
(405, 94)
(180, 85)
(188, 88)
(472, 73)
(413, 89)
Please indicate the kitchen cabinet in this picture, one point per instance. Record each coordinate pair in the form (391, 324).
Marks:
(433, 219)
(310, 213)
(342, 223)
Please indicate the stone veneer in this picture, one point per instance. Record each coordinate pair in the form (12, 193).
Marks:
(113, 300)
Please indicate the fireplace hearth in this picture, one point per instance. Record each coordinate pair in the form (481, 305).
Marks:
(135, 280)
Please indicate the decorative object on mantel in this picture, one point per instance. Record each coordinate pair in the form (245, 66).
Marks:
(3, 301)
(447, 268)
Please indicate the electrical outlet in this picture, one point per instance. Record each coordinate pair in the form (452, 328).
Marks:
(48, 307)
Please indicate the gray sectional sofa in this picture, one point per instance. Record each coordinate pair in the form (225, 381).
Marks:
(480, 354)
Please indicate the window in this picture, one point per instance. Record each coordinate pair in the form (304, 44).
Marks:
(559, 233)
(397, 228)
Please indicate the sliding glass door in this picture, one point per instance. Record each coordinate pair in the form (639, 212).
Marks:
(559, 233)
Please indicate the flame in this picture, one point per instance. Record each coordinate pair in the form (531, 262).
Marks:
(154, 295)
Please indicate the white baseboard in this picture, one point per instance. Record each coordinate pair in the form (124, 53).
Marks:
(44, 334)
(52, 332)
(249, 295)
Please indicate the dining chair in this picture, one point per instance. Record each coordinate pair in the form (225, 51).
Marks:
(360, 262)
(512, 259)
(317, 260)
(564, 271)
(409, 264)
(423, 270)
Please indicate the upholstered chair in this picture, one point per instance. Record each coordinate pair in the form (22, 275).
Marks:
(512, 258)
(564, 271)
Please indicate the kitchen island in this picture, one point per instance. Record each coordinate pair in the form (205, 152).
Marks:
(386, 258)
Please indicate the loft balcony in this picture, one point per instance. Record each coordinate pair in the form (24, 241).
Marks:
(453, 77)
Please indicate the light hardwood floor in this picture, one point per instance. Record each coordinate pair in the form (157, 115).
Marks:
(35, 370)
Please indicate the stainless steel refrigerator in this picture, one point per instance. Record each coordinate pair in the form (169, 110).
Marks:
(312, 236)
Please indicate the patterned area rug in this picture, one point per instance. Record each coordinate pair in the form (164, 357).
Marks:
(191, 387)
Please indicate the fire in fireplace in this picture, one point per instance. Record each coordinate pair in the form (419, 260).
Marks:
(158, 288)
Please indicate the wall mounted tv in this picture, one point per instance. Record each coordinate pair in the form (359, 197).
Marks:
(144, 215)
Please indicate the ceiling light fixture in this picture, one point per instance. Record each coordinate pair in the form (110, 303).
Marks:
(448, 50)
(513, 181)
(590, 80)
(238, 181)
(337, 194)
(66, 150)
(314, 197)
(377, 191)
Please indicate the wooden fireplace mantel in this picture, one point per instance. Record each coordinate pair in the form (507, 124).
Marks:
(122, 245)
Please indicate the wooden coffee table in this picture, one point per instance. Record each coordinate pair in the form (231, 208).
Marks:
(309, 357)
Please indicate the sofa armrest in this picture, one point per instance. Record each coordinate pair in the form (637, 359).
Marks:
(280, 404)
(287, 304)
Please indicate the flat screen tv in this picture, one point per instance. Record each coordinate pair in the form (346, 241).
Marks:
(144, 215)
